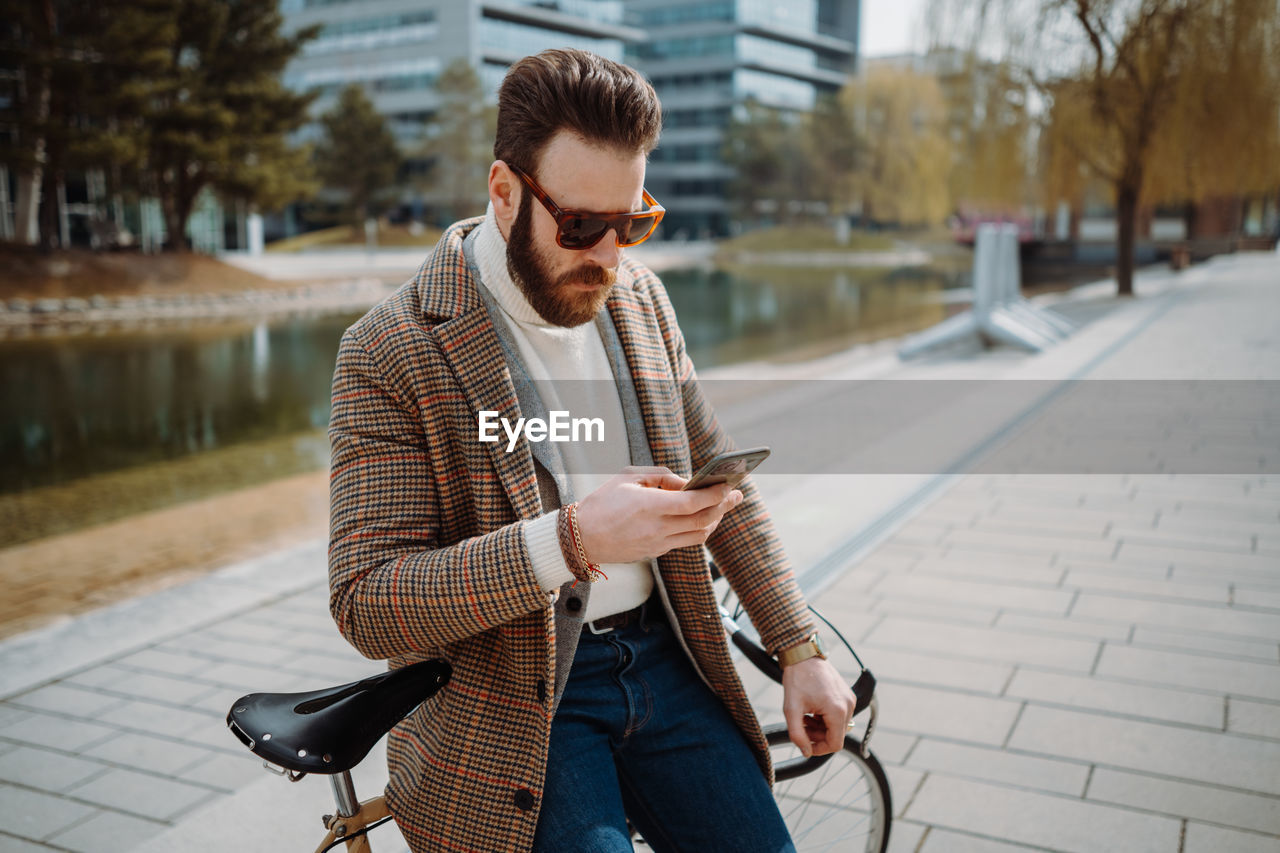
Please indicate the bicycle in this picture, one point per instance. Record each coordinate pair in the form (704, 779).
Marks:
(839, 802)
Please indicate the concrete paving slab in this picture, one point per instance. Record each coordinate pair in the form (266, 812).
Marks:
(919, 668)
(1159, 638)
(66, 699)
(1006, 596)
(1186, 799)
(1202, 838)
(1247, 717)
(142, 752)
(1211, 591)
(45, 769)
(1244, 678)
(906, 836)
(142, 794)
(1105, 694)
(1063, 627)
(108, 832)
(948, 841)
(1041, 820)
(984, 644)
(35, 816)
(57, 732)
(967, 761)
(1167, 614)
(946, 713)
(1162, 749)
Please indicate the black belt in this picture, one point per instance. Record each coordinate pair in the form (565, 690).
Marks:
(652, 609)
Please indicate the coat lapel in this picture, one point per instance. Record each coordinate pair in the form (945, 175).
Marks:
(470, 346)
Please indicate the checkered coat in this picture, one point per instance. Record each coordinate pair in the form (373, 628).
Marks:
(427, 559)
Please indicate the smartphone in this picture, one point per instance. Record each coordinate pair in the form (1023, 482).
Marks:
(731, 467)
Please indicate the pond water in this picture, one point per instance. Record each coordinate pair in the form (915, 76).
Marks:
(76, 406)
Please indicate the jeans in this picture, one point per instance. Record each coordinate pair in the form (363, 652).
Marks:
(638, 734)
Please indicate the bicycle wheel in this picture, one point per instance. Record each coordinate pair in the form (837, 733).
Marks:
(840, 805)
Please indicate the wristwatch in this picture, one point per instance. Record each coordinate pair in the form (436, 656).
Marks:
(810, 648)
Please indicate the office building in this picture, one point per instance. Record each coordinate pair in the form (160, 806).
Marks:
(396, 49)
(705, 59)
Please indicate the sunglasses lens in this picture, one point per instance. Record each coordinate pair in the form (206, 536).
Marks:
(637, 230)
(577, 232)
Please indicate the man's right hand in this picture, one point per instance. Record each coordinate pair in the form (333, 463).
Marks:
(642, 513)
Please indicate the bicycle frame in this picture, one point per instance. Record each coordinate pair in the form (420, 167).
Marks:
(353, 819)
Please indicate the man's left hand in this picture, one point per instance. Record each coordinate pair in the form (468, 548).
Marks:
(818, 706)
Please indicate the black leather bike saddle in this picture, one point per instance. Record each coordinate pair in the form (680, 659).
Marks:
(332, 730)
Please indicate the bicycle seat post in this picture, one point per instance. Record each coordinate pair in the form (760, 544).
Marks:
(344, 793)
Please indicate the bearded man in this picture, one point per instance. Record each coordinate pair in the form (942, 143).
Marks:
(566, 582)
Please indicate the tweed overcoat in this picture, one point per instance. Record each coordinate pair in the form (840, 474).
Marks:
(427, 557)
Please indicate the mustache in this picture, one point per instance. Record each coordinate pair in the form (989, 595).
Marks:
(588, 274)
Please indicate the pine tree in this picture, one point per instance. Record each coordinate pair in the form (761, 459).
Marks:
(357, 154)
(219, 114)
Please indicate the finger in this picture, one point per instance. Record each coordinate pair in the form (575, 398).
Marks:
(685, 540)
(696, 500)
(654, 476)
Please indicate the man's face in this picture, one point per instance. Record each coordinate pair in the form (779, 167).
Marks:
(568, 287)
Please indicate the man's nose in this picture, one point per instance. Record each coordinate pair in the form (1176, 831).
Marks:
(606, 253)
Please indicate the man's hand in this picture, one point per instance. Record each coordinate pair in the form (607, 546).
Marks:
(818, 706)
(641, 513)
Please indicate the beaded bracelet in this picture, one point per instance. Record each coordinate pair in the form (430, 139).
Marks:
(575, 557)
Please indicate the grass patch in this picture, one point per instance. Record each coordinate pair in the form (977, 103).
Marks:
(352, 237)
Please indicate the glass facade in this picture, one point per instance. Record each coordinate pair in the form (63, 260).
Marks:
(370, 33)
(518, 39)
(774, 90)
(776, 53)
(705, 60)
(794, 15)
(687, 13)
(689, 47)
(598, 11)
(380, 77)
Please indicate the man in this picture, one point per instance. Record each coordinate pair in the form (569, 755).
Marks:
(590, 673)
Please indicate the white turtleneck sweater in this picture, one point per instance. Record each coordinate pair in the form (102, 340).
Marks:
(558, 360)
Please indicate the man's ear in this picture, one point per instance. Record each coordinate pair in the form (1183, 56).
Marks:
(504, 193)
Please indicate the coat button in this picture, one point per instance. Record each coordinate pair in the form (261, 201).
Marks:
(541, 689)
(524, 799)
(574, 604)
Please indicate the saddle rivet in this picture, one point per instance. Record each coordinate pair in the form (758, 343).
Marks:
(302, 753)
(266, 736)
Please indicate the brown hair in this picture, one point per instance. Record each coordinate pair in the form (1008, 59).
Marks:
(566, 89)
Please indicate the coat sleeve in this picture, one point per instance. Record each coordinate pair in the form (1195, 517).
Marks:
(395, 588)
(745, 545)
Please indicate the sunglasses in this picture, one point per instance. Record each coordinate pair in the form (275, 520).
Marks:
(582, 229)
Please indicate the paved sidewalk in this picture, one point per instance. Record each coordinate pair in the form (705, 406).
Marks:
(1068, 662)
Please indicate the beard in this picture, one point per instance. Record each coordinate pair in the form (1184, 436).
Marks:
(552, 298)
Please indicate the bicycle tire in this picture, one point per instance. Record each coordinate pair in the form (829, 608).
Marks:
(842, 804)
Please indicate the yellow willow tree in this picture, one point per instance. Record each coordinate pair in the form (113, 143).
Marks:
(992, 131)
(1222, 136)
(900, 116)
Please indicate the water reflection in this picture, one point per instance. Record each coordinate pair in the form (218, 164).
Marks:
(75, 406)
(82, 405)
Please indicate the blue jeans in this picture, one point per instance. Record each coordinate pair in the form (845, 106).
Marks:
(638, 734)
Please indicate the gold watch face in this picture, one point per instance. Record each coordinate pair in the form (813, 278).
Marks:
(819, 645)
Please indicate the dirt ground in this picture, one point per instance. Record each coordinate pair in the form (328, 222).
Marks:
(49, 579)
(31, 274)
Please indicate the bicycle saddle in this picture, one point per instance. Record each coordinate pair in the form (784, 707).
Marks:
(332, 730)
